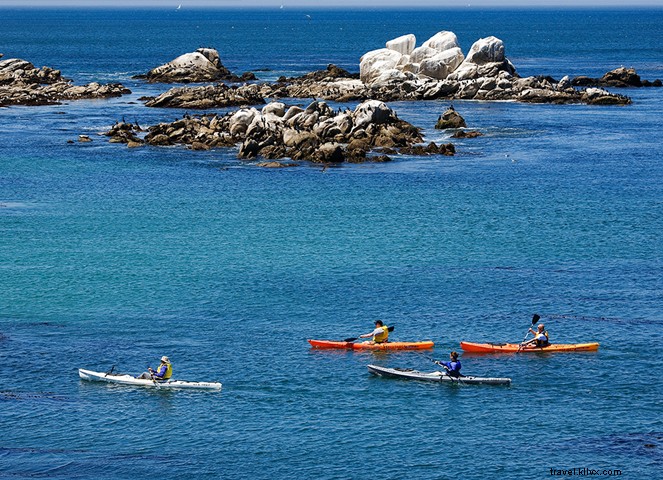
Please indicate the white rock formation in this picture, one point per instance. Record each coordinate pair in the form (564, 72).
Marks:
(403, 44)
(485, 58)
(439, 66)
(442, 41)
(375, 62)
(439, 56)
(185, 63)
(372, 111)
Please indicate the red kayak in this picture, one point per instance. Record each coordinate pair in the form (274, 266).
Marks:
(516, 348)
(329, 344)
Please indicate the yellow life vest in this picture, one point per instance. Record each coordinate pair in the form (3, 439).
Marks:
(382, 337)
(169, 371)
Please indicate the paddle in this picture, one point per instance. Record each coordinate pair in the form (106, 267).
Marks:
(110, 372)
(154, 381)
(437, 362)
(389, 329)
(156, 384)
(535, 319)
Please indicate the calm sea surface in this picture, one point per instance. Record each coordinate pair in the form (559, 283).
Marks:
(110, 256)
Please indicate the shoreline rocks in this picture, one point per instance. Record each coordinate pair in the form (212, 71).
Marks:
(203, 65)
(316, 133)
(618, 78)
(207, 97)
(21, 83)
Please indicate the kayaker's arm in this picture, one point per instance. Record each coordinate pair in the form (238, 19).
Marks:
(377, 331)
(161, 372)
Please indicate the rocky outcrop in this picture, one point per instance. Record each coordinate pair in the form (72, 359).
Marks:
(502, 87)
(438, 58)
(618, 78)
(23, 84)
(466, 134)
(437, 70)
(316, 133)
(207, 97)
(123, 132)
(450, 119)
(203, 65)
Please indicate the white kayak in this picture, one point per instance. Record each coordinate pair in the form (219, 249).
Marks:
(434, 376)
(126, 379)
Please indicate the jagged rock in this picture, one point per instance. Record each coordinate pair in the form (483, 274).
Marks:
(84, 138)
(207, 97)
(450, 119)
(619, 78)
(123, 132)
(276, 165)
(203, 65)
(330, 153)
(431, 149)
(23, 84)
(466, 134)
(316, 133)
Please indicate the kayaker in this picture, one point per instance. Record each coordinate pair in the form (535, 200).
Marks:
(540, 337)
(380, 334)
(453, 367)
(164, 372)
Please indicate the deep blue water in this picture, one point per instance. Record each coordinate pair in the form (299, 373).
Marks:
(110, 256)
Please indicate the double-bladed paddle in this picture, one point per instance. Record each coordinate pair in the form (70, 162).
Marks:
(154, 381)
(535, 319)
(389, 329)
(437, 362)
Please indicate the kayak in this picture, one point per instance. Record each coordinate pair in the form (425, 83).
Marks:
(126, 379)
(434, 376)
(372, 346)
(515, 347)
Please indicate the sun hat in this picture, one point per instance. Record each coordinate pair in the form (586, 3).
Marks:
(165, 359)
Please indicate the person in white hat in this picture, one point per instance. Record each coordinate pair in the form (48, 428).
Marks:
(164, 372)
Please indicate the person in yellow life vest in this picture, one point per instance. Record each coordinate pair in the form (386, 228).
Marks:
(164, 372)
(380, 334)
(540, 337)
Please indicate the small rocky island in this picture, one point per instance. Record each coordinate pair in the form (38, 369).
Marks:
(203, 65)
(317, 133)
(21, 83)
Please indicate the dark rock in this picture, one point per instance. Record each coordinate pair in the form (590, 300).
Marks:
(207, 97)
(466, 134)
(450, 119)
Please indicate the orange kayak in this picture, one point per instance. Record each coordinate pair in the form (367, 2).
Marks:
(372, 346)
(514, 347)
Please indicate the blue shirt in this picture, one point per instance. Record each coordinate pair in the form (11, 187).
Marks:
(453, 367)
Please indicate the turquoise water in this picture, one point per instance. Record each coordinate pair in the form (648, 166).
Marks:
(110, 256)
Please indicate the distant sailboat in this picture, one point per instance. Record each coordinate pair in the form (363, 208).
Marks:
(179, 6)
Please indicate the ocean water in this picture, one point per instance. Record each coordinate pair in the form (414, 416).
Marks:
(110, 256)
